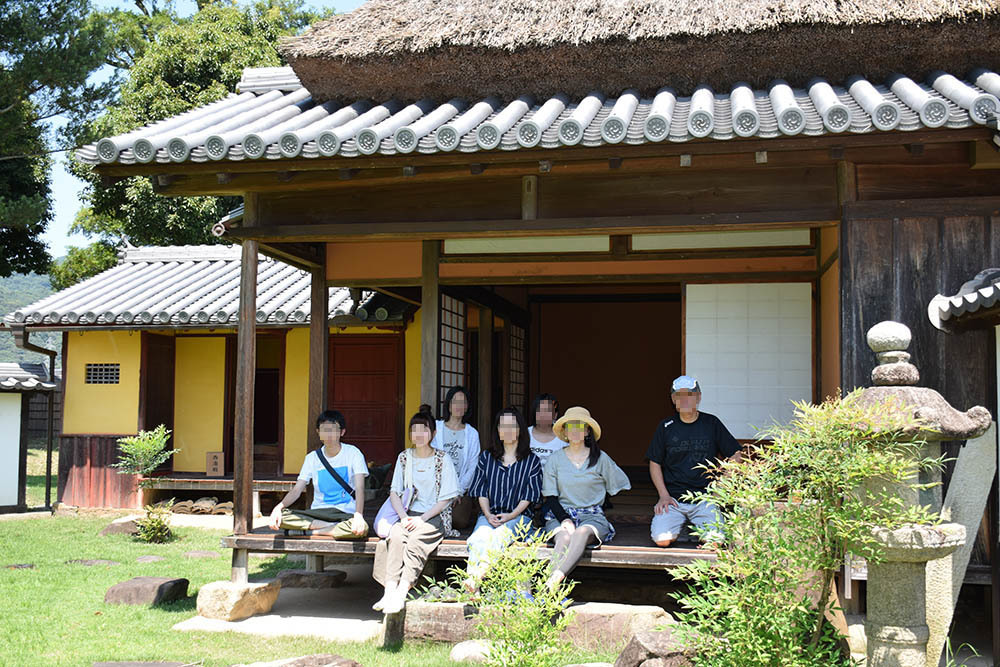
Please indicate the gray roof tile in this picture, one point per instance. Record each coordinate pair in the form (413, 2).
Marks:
(182, 286)
(274, 117)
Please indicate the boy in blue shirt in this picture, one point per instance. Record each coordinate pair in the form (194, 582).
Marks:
(338, 487)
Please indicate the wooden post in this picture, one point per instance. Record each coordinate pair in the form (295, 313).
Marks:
(430, 328)
(485, 389)
(241, 565)
(319, 345)
(246, 369)
(393, 626)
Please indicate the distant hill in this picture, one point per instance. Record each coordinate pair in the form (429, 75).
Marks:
(17, 291)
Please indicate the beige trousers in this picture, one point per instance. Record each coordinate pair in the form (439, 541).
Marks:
(402, 555)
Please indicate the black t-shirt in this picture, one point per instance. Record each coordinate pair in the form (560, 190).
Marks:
(679, 447)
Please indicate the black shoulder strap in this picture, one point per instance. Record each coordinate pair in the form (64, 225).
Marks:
(329, 469)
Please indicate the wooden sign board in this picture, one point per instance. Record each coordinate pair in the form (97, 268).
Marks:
(214, 464)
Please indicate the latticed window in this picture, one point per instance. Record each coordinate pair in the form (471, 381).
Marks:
(518, 375)
(103, 373)
(452, 357)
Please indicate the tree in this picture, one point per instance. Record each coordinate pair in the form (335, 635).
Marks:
(182, 64)
(47, 51)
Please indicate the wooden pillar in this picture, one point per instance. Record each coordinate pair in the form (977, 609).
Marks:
(246, 369)
(485, 389)
(319, 346)
(430, 329)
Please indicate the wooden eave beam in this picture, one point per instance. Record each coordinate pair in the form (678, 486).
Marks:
(195, 183)
(489, 159)
(300, 255)
(625, 224)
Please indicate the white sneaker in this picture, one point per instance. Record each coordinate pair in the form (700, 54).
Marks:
(385, 597)
(395, 602)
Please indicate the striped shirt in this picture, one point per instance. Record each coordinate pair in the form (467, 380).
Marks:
(506, 486)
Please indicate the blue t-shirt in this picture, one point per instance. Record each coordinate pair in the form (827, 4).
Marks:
(327, 492)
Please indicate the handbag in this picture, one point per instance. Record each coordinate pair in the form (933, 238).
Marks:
(387, 516)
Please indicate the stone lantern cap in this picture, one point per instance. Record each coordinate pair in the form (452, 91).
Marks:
(895, 378)
(918, 544)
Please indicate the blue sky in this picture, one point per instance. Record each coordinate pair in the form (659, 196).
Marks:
(66, 188)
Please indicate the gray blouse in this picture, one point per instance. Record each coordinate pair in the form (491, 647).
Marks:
(584, 486)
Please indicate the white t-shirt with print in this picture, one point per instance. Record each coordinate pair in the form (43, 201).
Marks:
(543, 450)
(327, 492)
(424, 482)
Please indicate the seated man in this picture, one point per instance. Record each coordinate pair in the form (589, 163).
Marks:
(337, 471)
(679, 445)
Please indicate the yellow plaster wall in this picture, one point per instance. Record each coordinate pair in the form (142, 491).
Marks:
(102, 408)
(199, 400)
(413, 363)
(296, 399)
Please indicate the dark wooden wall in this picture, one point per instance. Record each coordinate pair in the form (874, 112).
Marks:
(85, 476)
(895, 257)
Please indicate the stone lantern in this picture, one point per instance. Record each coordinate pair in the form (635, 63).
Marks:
(896, 625)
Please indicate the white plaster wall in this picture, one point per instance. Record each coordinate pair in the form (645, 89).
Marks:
(750, 346)
(10, 446)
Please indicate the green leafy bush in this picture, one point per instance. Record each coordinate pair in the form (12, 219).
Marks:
(521, 620)
(143, 453)
(793, 508)
(155, 526)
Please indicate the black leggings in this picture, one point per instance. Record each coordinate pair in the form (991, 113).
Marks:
(569, 548)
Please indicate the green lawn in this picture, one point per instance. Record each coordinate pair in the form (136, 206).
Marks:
(35, 483)
(55, 613)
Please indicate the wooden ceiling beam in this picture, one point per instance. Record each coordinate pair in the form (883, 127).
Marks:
(625, 224)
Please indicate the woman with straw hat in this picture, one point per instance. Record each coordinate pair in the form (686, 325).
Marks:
(575, 482)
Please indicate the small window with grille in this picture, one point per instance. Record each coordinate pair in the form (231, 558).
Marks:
(103, 373)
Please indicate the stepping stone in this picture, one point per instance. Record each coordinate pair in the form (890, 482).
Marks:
(202, 554)
(91, 562)
(139, 664)
(148, 591)
(149, 559)
(320, 660)
(228, 601)
(124, 526)
(309, 579)
(20, 566)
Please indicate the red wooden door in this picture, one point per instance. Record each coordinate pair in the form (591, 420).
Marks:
(366, 384)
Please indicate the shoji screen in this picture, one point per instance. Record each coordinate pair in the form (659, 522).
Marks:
(750, 346)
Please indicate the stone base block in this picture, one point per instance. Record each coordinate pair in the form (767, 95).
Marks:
(310, 579)
(228, 601)
(147, 591)
(606, 625)
(593, 625)
(439, 621)
(654, 649)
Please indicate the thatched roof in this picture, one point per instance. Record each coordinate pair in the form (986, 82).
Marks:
(443, 48)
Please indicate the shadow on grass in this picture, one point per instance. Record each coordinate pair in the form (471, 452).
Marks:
(188, 604)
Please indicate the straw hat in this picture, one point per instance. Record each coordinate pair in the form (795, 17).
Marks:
(575, 414)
